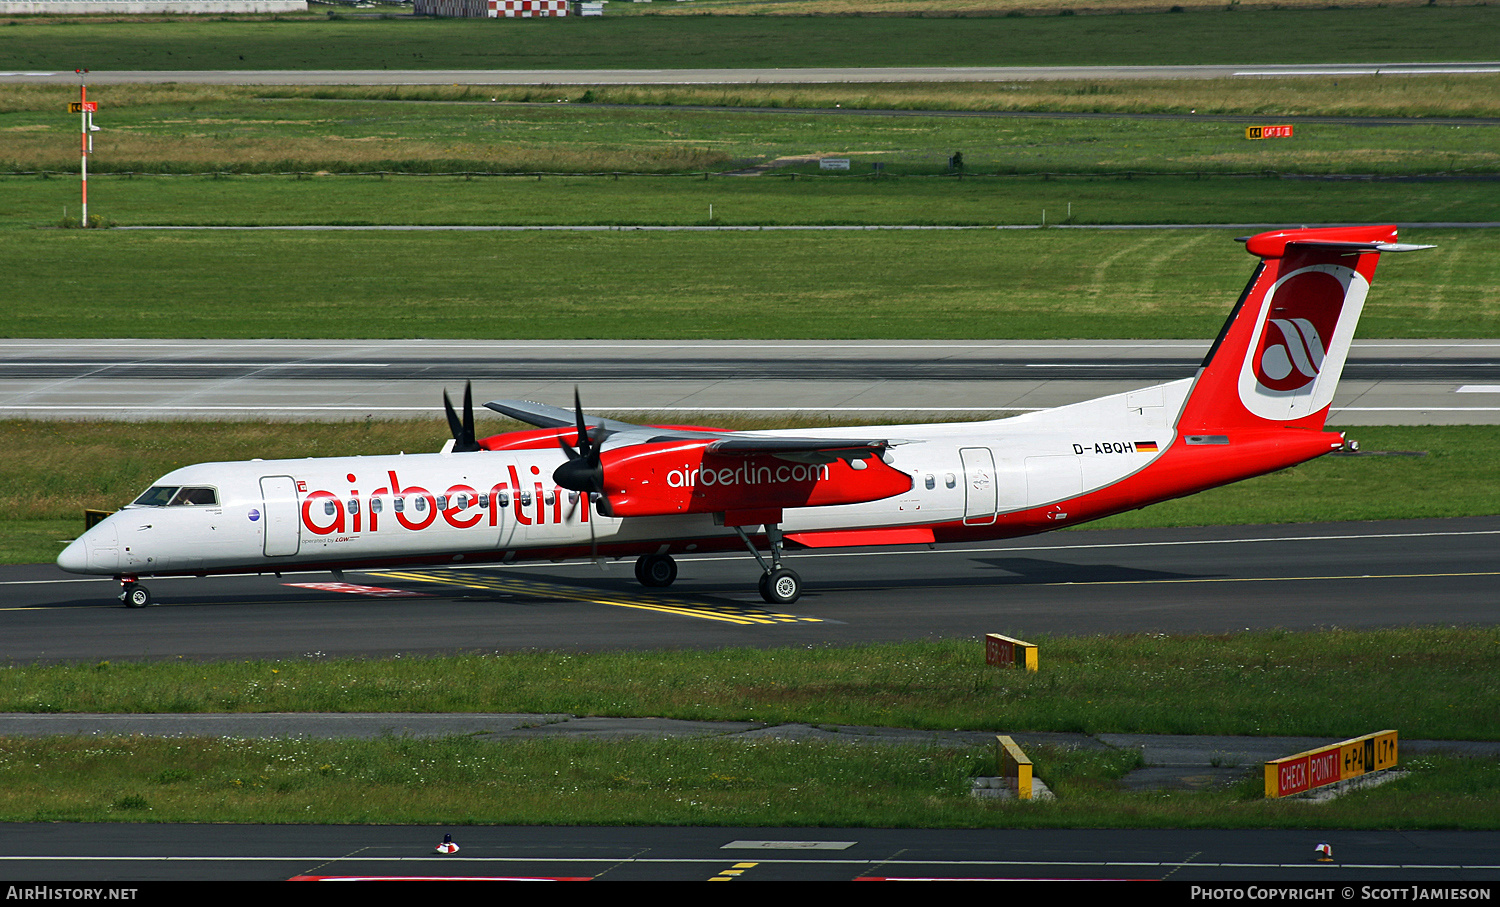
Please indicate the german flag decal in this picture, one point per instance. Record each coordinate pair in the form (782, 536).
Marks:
(1145, 447)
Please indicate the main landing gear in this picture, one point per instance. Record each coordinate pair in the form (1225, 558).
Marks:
(778, 585)
(655, 571)
(133, 594)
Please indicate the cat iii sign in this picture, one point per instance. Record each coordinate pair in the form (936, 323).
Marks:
(1268, 132)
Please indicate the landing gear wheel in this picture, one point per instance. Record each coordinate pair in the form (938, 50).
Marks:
(780, 586)
(655, 571)
(135, 596)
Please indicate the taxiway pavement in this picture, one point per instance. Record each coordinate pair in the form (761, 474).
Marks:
(1386, 382)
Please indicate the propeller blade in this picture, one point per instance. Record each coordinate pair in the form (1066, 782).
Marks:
(462, 428)
(584, 441)
(582, 472)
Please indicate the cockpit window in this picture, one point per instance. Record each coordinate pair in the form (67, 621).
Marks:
(156, 496)
(191, 496)
(173, 496)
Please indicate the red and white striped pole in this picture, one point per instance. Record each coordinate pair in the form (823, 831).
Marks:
(83, 140)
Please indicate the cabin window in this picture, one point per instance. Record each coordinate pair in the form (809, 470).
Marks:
(442, 502)
(951, 480)
(330, 508)
(375, 505)
(421, 504)
(930, 481)
(400, 505)
(354, 505)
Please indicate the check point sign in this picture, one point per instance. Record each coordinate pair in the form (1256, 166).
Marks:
(1331, 764)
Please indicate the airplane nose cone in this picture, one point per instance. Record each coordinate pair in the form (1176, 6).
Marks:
(75, 557)
(96, 551)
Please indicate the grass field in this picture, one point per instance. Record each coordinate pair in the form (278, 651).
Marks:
(1425, 95)
(969, 8)
(1437, 683)
(28, 204)
(463, 781)
(624, 284)
(1377, 34)
(244, 130)
(467, 781)
(1431, 683)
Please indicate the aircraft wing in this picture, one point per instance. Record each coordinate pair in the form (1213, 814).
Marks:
(802, 450)
(544, 416)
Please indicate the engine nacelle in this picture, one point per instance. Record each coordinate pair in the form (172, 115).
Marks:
(676, 477)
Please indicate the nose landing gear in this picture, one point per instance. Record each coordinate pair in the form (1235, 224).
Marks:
(133, 594)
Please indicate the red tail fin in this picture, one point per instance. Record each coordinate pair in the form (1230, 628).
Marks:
(1278, 359)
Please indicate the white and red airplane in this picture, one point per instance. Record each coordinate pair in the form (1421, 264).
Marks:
(579, 488)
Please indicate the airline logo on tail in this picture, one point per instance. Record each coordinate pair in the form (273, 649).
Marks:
(1291, 354)
(1297, 335)
(1304, 311)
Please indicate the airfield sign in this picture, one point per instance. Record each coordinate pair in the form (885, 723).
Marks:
(1268, 132)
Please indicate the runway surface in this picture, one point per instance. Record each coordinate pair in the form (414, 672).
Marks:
(1194, 580)
(63, 853)
(789, 76)
(1386, 382)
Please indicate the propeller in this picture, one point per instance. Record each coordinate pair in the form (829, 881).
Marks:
(463, 430)
(582, 472)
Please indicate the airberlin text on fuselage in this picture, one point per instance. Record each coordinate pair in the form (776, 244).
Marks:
(747, 473)
(416, 508)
